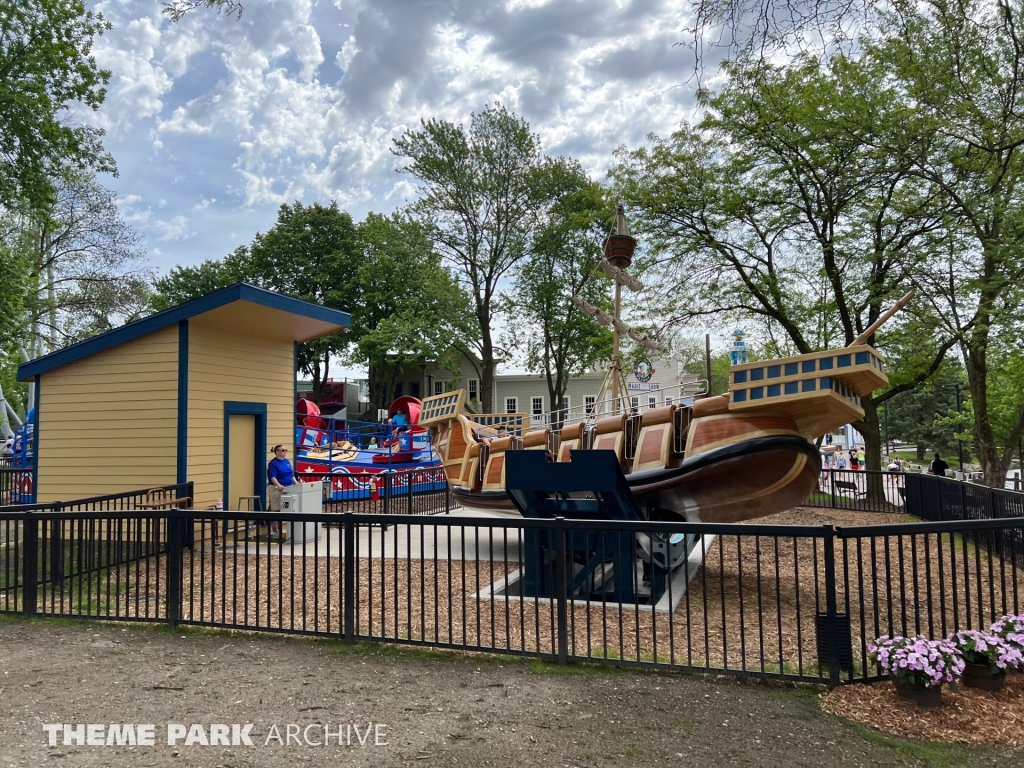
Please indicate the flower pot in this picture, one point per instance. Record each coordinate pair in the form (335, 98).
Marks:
(930, 696)
(983, 677)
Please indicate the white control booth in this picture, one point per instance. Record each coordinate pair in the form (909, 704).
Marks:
(306, 498)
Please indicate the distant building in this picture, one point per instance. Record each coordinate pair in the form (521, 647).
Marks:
(651, 384)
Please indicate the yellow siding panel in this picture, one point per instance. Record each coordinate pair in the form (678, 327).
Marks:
(224, 365)
(107, 423)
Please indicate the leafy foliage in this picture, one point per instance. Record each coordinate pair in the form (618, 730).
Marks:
(407, 307)
(778, 207)
(927, 416)
(46, 70)
(558, 339)
(176, 9)
(961, 66)
(183, 284)
(82, 268)
(479, 199)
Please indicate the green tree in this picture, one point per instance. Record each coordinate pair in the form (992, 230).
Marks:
(46, 71)
(176, 9)
(558, 339)
(922, 416)
(778, 208)
(311, 253)
(83, 268)
(961, 66)
(183, 284)
(407, 307)
(479, 198)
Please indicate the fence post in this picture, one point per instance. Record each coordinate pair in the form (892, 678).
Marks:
(348, 578)
(387, 492)
(830, 605)
(30, 564)
(447, 495)
(408, 488)
(561, 586)
(832, 481)
(963, 502)
(940, 494)
(57, 548)
(175, 569)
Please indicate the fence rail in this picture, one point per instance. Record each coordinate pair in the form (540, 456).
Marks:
(15, 485)
(412, 492)
(922, 495)
(785, 602)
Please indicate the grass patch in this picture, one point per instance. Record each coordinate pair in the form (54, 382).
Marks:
(927, 752)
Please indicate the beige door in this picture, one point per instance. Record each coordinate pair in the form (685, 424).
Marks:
(242, 460)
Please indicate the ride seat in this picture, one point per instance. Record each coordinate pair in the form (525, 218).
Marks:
(711, 406)
(494, 474)
(569, 440)
(654, 444)
(457, 458)
(536, 440)
(610, 435)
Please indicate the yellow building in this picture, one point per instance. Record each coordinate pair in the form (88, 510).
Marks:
(199, 392)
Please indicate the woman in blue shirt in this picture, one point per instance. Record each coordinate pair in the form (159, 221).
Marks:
(281, 475)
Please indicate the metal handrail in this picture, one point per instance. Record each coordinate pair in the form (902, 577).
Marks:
(613, 406)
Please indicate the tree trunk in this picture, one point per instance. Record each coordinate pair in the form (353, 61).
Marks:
(487, 370)
(869, 428)
(921, 448)
(984, 440)
(317, 382)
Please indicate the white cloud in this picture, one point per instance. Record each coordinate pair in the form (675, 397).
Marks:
(303, 101)
(174, 229)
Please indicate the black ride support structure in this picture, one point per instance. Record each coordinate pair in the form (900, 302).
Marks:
(591, 487)
(784, 602)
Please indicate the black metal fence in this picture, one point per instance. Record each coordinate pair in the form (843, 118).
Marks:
(15, 484)
(787, 602)
(64, 548)
(922, 495)
(941, 498)
(411, 492)
(860, 490)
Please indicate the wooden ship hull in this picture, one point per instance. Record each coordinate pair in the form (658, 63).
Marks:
(730, 458)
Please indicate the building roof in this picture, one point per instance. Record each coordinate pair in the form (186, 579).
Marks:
(303, 320)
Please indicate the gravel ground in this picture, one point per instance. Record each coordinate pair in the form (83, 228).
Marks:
(438, 709)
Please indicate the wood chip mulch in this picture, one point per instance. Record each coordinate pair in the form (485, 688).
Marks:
(967, 715)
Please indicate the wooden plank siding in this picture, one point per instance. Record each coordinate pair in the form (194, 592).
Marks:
(232, 367)
(107, 423)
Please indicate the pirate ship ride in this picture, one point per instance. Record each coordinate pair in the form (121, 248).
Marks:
(727, 458)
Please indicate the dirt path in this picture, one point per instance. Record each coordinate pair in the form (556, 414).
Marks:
(437, 709)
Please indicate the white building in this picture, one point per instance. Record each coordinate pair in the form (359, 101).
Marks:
(651, 384)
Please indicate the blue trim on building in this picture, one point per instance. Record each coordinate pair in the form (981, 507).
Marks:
(259, 410)
(295, 396)
(182, 454)
(35, 442)
(133, 330)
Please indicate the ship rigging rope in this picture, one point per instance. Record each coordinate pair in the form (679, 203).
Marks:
(594, 271)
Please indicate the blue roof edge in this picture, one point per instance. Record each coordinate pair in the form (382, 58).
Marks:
(154, 322)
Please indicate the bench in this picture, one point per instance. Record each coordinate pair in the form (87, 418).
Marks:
(846, 485)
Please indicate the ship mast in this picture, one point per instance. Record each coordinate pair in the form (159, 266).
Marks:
(618, 255)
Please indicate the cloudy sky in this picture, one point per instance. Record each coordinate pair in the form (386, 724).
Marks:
(215, 122)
